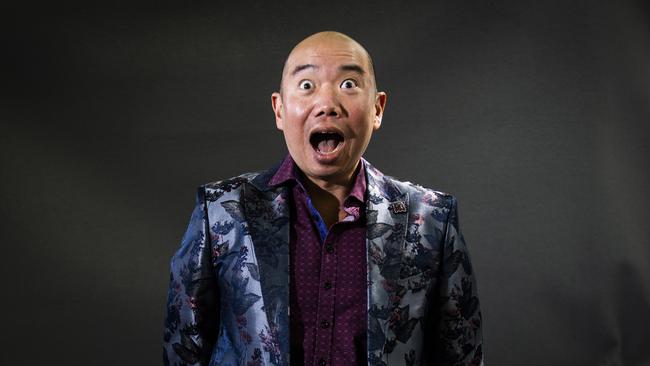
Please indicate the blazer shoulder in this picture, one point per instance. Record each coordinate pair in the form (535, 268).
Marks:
(418, 193)
(212, 191)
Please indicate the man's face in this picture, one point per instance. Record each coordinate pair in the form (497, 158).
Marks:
(328, 107)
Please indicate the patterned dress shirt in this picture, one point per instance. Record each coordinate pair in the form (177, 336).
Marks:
(328, 292)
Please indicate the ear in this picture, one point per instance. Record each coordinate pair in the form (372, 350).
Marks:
(380, 104)
(276, 104)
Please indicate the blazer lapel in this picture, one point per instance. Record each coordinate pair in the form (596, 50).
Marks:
(387, 217)
(267, 214)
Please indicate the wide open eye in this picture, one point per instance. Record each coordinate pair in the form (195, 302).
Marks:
(348, 84)
(306, 85)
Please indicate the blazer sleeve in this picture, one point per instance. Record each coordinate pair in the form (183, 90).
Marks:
(457, 314)
(192, 314)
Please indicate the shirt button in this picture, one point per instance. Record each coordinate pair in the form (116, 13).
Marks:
(329, 248)
(322, 362)
(324, 324)
(328, 285)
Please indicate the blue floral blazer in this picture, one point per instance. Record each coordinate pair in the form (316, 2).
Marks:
(228, 300)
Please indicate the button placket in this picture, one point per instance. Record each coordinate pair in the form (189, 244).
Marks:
(326, 295)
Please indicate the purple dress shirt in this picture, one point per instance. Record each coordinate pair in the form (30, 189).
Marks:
(328, 270)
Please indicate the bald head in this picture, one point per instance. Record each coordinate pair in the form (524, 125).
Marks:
(335, 41)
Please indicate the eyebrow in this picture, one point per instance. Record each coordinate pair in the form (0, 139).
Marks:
(299, 68)
(352, 67)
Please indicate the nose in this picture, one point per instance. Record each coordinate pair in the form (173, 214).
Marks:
(328, 104)
(327, 111)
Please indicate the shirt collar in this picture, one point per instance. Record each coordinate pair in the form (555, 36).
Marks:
(289, 172)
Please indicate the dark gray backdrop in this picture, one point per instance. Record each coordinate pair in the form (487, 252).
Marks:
(534, 114)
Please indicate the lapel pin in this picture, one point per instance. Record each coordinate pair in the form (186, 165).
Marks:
(397, 207)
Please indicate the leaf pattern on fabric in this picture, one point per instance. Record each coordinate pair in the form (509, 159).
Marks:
(244, 302)
(227, 302)
(376, 336)
(377, 230)
(467, 301)
(256, 358)
(371, 215)
(223, 228)
(456, 259)
(253, 270)
(401, 324)
(413, 233)
(439, 214)
(234, 210)
(188, 350)
(269, 337)
(221, 249)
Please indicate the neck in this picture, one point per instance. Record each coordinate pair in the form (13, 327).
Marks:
(338, 188)
(328, 195)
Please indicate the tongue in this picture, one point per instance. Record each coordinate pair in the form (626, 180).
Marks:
(327, 145)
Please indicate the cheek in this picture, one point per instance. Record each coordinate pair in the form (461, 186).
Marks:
(364, 118)
(293, 123)
(296, 109)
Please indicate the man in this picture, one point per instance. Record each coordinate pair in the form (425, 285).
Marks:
(323, 260)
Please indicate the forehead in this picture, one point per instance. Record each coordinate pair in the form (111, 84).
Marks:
(326, 53)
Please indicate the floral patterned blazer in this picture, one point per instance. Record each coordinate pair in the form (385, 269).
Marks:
(228, 300)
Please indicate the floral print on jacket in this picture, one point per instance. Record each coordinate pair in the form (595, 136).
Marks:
(228, 300)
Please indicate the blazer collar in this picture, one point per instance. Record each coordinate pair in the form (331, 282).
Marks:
(377, 182)
(261, 181)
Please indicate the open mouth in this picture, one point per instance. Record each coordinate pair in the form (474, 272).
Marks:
(325, 142)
